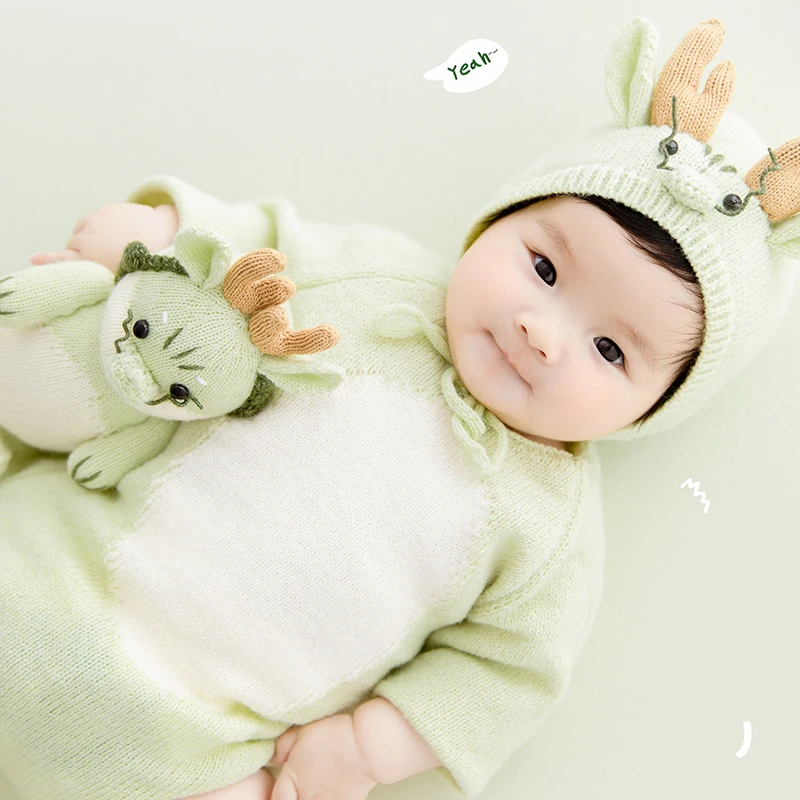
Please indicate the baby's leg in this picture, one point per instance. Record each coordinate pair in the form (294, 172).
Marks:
(255, 787)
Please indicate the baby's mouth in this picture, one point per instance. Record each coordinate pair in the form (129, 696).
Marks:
(505, 355)
(508, 360)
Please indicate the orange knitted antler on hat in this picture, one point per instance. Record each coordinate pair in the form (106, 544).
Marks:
(699, 113)
(251, 287)
(777, 180)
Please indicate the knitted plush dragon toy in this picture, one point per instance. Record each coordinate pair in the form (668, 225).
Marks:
(109, 366)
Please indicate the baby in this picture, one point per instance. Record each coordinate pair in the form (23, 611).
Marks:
(418, 598)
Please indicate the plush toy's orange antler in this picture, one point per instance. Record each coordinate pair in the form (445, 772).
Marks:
(251, 287)
(777, 181)
(698, 114)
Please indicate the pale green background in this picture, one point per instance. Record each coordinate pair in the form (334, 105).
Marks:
(325, 103)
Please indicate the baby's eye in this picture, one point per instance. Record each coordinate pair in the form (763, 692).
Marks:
(607, 347)
(548, 269)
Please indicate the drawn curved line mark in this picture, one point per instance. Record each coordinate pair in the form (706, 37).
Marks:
(748, 738)
(693, 485)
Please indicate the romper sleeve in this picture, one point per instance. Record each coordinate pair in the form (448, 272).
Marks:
(479, 689)
(245, 225)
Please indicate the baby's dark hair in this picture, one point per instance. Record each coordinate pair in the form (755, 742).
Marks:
(659, 246)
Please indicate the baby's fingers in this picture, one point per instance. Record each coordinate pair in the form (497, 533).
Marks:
(53, 258)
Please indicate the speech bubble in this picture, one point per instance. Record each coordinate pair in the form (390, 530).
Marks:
(475, 64)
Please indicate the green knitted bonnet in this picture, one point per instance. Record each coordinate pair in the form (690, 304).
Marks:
(704, 175)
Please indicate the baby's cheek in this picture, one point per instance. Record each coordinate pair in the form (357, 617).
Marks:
(581, 396)
(585, 401)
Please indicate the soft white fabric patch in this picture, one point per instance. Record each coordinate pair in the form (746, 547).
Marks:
(40, 388)
(288, 553)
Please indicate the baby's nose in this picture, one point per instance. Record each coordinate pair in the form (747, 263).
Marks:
(543, 339)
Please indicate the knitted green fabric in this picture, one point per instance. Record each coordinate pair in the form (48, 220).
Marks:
(744, 258)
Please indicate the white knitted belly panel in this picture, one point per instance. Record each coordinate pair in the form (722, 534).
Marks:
(287, 553)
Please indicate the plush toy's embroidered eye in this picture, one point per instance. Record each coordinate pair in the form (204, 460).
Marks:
(141, 328)
(178, 391)
(732, 202)
(671, 147)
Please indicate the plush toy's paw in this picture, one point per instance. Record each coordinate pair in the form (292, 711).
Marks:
(102, 463)
(37, 295)
(6, 304)
(84, 472)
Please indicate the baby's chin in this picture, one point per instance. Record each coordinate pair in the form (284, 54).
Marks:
(493, 382)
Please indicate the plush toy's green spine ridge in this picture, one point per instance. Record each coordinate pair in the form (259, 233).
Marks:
(137, 258)
(263, 391)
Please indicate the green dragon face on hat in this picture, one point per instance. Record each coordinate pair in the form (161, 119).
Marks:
(695, 177)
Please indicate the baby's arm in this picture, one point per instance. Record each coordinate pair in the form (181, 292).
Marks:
(103, 235)
(155, 211)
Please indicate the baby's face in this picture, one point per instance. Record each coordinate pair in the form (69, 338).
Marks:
(564, 322)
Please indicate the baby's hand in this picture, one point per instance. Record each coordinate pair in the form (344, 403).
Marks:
(103, 235)
(255, 787)
(321, 759)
